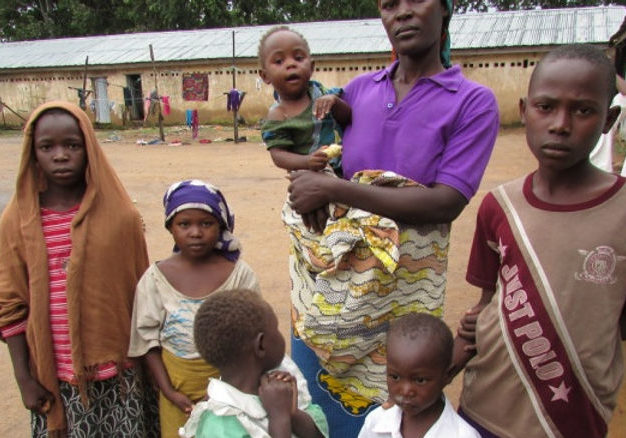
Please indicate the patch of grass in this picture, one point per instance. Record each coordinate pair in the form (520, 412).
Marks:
(17, 132)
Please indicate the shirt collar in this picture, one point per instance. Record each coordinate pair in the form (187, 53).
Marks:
(449, 79)
(390, 421)
(230, 398)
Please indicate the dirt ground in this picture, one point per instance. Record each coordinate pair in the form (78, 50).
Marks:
(255, 190)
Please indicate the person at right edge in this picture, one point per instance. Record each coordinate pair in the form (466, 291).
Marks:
(549, 253)
(421, 119)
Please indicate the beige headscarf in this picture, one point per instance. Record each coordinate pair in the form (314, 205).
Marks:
(108, 257)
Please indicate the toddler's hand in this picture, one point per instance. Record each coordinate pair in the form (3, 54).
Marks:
(278, 393)
(35, 397)
(317, 160)
(181, 401)
(323, 105)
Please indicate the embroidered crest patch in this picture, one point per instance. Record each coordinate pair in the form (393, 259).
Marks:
(599, 265)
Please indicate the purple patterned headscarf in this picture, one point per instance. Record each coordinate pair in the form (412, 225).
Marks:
(196, 194)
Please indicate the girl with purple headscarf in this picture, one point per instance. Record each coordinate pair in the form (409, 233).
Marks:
(205, 259)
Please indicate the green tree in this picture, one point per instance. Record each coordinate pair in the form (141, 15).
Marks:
(321, 10)
(157, 15)
(510, 5)
(37, 19)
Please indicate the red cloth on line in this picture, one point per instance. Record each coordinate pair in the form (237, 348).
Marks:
(166, 105)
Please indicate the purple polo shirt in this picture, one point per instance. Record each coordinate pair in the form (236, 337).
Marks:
(443, 131)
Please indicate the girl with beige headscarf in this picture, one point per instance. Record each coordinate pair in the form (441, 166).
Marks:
(71, 252)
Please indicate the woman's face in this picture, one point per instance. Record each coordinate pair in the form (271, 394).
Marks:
(413, 26)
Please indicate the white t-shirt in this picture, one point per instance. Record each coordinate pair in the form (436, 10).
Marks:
(385, 423)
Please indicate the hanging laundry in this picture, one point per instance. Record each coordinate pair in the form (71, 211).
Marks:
(146, 108)
(188, 117)
(232, 100)
(194, 124)
(166, 105)
(195, 86)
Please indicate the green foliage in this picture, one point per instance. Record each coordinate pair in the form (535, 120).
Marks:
(40, 19)
(510, 5)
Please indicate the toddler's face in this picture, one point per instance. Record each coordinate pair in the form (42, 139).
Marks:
(287, 64)
(59, 148)
(415, 374)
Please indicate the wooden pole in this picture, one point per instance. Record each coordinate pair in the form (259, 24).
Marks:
(235, 111)
(4, 105)
(156, 89)
(82, 101)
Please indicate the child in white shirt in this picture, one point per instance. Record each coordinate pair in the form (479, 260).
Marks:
(419, 365)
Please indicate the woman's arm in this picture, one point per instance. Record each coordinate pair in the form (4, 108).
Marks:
(157, 368)
(310, 191)
(34, 396)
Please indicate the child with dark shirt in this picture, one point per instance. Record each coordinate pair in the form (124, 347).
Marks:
(549, 253)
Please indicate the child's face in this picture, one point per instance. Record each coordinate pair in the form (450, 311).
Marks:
(195, 232)
(416, 375)
(566, 112)
(274, 343)
(59, 147)
(287, 64)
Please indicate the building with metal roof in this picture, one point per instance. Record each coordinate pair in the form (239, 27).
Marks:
(495, 48)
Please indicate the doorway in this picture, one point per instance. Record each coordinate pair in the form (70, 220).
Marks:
(133, 97)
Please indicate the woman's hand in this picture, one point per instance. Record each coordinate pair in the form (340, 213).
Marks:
(35, 397)
(308, 190)
(316, 220)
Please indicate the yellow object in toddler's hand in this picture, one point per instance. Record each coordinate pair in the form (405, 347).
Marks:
(332, 151)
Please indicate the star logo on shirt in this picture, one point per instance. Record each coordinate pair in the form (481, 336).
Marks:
(502, 249)
(560, 393)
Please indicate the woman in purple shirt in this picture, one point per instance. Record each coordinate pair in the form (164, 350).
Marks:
(419, 118)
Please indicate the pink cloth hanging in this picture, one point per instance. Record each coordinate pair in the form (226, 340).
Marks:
(166, 105)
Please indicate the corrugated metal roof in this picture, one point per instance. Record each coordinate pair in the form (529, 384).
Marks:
(468, 31)
(536, 27)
